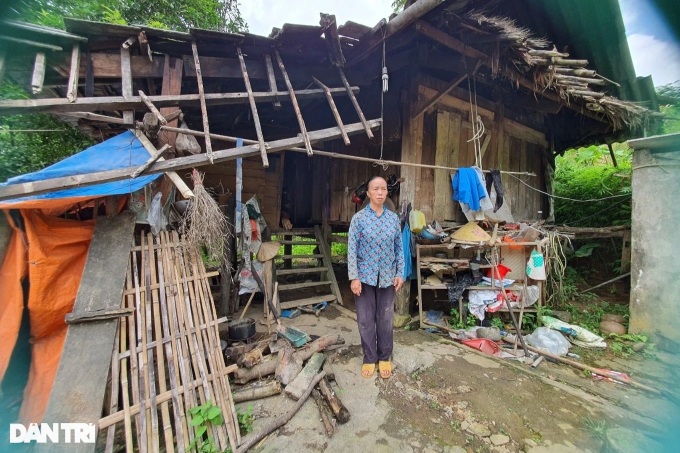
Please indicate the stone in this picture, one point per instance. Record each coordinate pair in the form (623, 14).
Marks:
(639, 346)
(607, 327)
(454, 449)
(499, 439)
(492, 333)
(464, 425)
(478, 430)
(463, 389)
(530, 443)
(615, 318)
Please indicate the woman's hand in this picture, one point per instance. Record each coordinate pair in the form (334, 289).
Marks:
(356, 287)
(398, 283)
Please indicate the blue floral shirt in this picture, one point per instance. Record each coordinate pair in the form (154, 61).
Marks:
(374, 249)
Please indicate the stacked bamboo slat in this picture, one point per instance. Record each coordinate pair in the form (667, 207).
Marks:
(167, 357)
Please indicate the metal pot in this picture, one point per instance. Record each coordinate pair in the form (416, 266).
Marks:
(241, 329)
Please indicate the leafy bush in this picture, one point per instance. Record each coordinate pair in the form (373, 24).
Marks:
(588, 174)
(32, 142)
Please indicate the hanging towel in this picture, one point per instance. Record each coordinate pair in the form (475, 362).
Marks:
(467, 188)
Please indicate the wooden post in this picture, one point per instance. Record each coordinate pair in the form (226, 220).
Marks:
(296, 107)
(272, 79)
(204, 108)
(38, 72)
(253, 109)
(72, 92)
(126, 80)
(172, 85)
(152, 108)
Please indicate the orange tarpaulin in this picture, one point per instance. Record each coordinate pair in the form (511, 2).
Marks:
(55, 259)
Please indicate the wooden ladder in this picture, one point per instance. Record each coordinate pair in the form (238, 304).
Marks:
(325, 272)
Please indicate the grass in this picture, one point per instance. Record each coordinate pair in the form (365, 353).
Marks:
(598, 428)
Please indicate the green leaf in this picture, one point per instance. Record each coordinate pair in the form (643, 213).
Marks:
(586, 250)
(214, 412)
(201, 430)
(197, 420)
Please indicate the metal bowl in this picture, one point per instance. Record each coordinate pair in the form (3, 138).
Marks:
(241, 329)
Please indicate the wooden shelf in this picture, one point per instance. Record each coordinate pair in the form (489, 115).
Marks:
(517, 286)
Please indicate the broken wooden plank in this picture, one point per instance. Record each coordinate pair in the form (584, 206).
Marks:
(97, 117)
(38, 77)
(271, 77)
(172, 85)
(296, 107)
(201, 97)
(152, 108)
(115, 103)
(88, 346)
(334, 109)
(150, 162)
(298, 386)
(355, 103)
(162, 166)
(144, 45)
(332, 38)
(433, 101)
(72, 90)
(97, 315)
(253, 109)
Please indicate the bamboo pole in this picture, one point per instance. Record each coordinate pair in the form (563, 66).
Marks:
(296, 107)
(253, 109)
(123, 331)
(115, 379)
(201, 96)
(137, 336)
(147, 354)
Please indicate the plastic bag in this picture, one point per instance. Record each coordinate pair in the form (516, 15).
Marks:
(417, 220)
(551, 341)
(578, 335)
(156, 217)
(536, 266)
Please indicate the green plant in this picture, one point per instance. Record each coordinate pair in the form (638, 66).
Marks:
(203, 418)
(496, 322)
(622, 345)
(245, 420)
(529, 322)
(598, 428)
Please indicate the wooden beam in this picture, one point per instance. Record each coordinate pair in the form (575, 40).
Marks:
(38, 72)
(334, 109)
(201, 96)
(25, 42)
(72, 91)
(253, 109)
(180, 163)
(154, 153)
(271, 77)
(126, 80)
(97, 117)
(152, 108)
(88, 347)
(142, 168)
(454, 83)
(116, 103)
(355, 103)
(332, 38)
(293, 100)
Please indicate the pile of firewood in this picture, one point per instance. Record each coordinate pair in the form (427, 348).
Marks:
(298, 372)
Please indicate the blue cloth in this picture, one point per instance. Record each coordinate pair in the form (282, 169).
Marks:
(375, 252)
(467, 188)
(406, 244)
(121, 151)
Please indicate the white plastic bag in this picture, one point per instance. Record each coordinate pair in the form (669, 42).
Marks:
(577, 334)
(550, 340)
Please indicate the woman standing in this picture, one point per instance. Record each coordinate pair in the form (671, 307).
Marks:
(375, 263)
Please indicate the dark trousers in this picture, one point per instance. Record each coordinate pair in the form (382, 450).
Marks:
(375, 316)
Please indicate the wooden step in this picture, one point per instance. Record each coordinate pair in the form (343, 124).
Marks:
(284, 257)
(309, 301)
(293, 232)
(298, 242)
(303, 285)
(301, 270)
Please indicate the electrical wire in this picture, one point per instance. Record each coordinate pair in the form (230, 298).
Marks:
(567, 198)
(381, 162)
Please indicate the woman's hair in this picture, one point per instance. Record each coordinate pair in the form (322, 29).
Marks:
(368, 184)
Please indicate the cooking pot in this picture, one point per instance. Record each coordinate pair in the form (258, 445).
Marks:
(241, 329)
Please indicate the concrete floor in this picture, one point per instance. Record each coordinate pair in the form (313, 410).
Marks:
(444, 397)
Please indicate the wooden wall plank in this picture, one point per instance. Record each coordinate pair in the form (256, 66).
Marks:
(447, 150)
(88, 346)
(428, 157)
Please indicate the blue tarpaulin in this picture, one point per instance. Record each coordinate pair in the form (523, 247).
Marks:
(121, 151)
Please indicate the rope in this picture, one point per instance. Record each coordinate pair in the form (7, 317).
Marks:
(381, 162)
(566, 198)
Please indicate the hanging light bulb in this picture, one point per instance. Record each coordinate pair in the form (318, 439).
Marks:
(385, 80)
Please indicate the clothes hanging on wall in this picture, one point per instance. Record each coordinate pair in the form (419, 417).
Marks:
(494, 178)
(467, 188)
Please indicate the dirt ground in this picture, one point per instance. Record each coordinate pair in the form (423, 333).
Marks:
(445, 397)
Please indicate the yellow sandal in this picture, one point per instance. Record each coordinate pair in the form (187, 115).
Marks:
(367, 370)
(385, 369)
